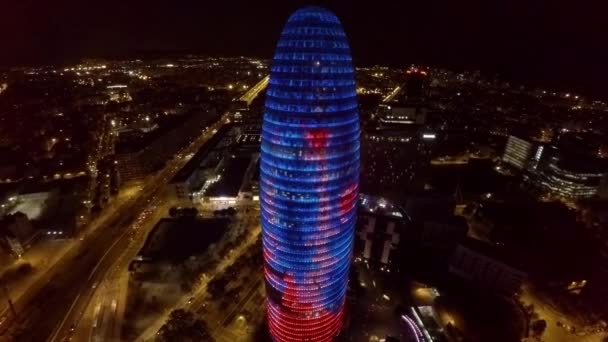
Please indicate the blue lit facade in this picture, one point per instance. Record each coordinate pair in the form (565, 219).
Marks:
(309, 177)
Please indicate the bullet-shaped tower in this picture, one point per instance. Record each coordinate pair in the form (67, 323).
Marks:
(309, 175)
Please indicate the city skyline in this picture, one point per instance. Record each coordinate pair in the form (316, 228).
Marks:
(549, 44)
(294, 172)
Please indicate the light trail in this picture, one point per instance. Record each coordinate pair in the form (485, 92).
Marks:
(391, 96)
(254, 91)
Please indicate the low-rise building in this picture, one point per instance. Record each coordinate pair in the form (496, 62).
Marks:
(137, 160)
(201, 167)
(16, 231)
(224, 172)
(485, 265)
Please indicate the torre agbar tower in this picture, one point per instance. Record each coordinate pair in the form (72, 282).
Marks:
(309, 175)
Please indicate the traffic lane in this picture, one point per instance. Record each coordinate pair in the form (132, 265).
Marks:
(553, 332)
(104, 322)
(128, 207)
(29, 290)
(106, 290)
(55, 299)
(115, 251)
(121, 245)
(85, 263)
(110, 287)
(113, 323)
(47, 291)
(72, 318)
(45, 286)
(71, 281)
(84, 330)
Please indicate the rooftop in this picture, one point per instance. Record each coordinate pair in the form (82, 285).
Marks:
(197, 159)
(231, 177)
(177, 239)
(495, 252)
(135, 141)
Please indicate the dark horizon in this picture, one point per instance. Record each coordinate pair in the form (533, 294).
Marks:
(555, 45)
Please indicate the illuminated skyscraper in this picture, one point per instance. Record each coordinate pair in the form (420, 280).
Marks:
(415, 79)
(309, 177)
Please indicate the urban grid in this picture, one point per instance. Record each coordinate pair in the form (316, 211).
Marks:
(298, 196)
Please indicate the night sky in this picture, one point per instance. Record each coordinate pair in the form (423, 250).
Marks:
(562, 44)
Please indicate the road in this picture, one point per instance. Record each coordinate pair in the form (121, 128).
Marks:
(460, 160)
(554, 333)
(126, 247)
(388, 98)
(44, 255)
(67, 285)
(37, 289)
(101, 317)
(254, 91)
(371, 314)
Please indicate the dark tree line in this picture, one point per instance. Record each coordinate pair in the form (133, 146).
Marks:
(183, 326)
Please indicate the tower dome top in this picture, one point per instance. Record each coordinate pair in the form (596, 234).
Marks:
(313, 14)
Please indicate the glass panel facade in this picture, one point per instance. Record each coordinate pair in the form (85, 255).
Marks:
(309, 177)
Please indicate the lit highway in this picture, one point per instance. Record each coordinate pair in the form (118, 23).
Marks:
(457, 160)
(392, 95)
(552, 316)
(32, 293)
(61, 296)
(104, 305)
(254, 91)
(125, 248)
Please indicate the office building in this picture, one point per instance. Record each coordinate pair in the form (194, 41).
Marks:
(380, 229)
(378, 238)
(415, 79)
(394, 160)
(139, 157)
(518, 152)
(556, 170)
(573, 177)
(309, 175)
